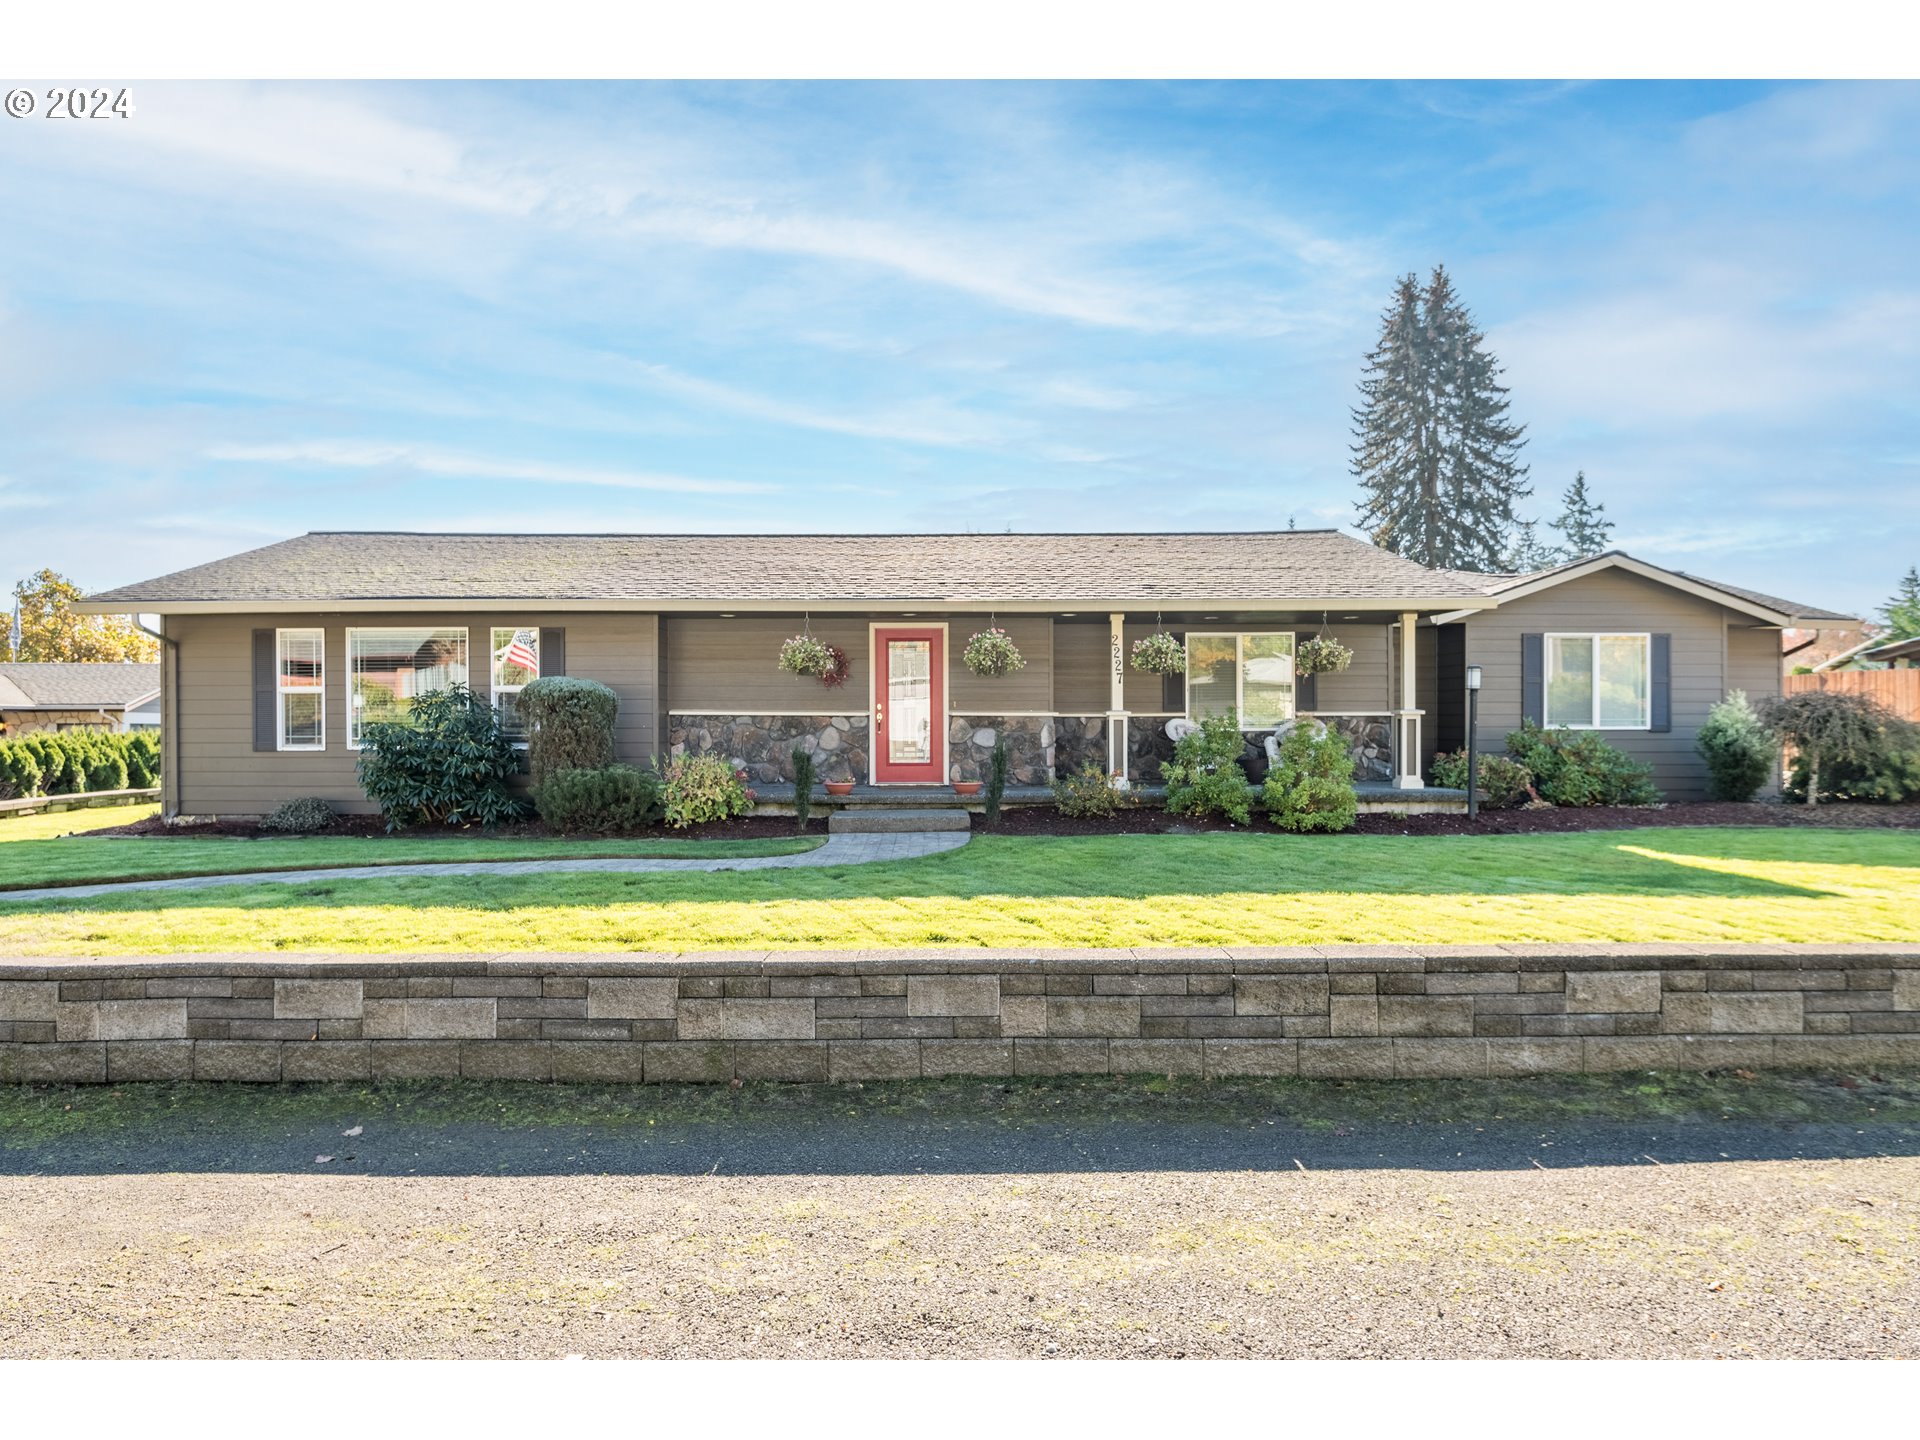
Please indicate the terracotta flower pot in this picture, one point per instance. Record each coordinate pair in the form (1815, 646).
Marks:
(966, 787)
(839, 787)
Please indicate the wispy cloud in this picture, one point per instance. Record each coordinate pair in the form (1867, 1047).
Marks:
(426, 460)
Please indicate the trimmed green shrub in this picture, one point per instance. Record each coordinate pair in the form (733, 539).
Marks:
(303, 815)
(803, 778)
(569, 723)
(59, 770)
(696, 789)
(1577, 767)
(996, 789)
(1312, 786)
(1834, 730)
(19, 771)
(1503, 782)
(612, 798)
(447, 764)
(143, 760)
(1088, 792)
(1204, 777)
(1739, 750)
(106, 768)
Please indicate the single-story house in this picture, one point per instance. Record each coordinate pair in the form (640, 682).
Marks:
(275, 658)
(97, 695)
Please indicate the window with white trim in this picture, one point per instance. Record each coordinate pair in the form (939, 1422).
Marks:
(300, 683)
(1599, 682)
(1249, 674)
(516, 664)
(388, 669)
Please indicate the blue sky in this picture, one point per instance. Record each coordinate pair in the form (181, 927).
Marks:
(251, 311)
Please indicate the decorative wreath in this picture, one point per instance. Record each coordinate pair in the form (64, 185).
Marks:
(991, 652)
(1160, 653)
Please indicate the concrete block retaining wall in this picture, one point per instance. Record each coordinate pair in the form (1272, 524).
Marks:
(1328, 1011)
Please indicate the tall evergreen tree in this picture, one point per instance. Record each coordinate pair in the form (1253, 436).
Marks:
(1583, 524)
(1527, 552)
(1902, 612)
(1434, 450)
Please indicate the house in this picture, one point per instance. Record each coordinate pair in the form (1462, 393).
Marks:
(1894, 654)
(276, 658)
(1818, 647)
(76, 696)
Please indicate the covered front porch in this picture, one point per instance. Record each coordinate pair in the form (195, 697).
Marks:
(1376, 797)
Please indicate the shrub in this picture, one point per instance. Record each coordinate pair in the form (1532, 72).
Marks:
(19, 771)
(1204, 777)
(803, 777)
(305, 815)
(59, 774)
(699, 788)
(1503, 782)
(1577, 767)
(1739, 750)
(996, 781)
(447, 764)
(1160, 653)
(569, 725)
(1312, 786)
(1089, 791)
(105, 767)
(992, 653)
(1833, 729)
(610, 798)
(143, 760)
(1889, 778)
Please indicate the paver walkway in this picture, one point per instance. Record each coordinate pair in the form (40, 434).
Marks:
(839, 850)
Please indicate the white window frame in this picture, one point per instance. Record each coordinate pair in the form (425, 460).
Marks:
(494, 688)
(1593, 714)
(1240, 673)
(465, 630)
(281, 689)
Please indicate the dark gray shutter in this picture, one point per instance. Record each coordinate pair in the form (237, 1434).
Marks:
(553, 651)
(1661, 686)
(1533, 678)
(1306, 688)
(265, 722)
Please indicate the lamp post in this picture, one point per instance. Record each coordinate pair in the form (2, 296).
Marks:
(1473, 742)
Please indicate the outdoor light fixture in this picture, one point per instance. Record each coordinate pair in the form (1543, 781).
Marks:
(1473, 748)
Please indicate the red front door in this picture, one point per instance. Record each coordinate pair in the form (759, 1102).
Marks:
(910, 705)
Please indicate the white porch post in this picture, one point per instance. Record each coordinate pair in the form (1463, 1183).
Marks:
(1406, 719)
(1117, 698)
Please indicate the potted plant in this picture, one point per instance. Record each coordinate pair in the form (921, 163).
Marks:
(1161, 653)
(992, 653)
(966, 787)
(1321, 655)
(839, 787)
(806, 655)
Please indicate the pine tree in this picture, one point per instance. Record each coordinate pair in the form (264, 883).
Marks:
(1527, 552)
(1583, 524)
(1902, 612)
(1435, 453)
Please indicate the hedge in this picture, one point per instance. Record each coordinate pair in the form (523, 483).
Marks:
(70, 762)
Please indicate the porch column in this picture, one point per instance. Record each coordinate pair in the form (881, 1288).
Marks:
(1406, 719)
(1117, 697)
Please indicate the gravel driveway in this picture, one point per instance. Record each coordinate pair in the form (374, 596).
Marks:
(862, 1232)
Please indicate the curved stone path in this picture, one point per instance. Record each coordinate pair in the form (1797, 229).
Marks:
(839, 850)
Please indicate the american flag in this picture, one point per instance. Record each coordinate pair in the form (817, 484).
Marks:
(521, 651)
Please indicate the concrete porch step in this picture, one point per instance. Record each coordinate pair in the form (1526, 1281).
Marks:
(895, 822)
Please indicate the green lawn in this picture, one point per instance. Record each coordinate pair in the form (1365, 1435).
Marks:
(1211, 889)
(31, 856)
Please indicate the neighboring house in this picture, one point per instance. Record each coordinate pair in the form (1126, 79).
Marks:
(276, 657)
(75, 696)
(1894, 654)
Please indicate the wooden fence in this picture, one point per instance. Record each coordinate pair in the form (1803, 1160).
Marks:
(1898, 690)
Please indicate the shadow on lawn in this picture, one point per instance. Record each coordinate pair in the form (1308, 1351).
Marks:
(1083, 1126)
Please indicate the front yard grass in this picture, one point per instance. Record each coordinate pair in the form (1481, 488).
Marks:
(31, 856)
(1180, 890)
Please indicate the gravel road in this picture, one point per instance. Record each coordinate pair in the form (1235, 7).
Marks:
(946, 1232)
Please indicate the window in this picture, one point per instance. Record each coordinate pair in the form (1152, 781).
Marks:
(388, 669)
(1251, 675)
(516, 662)
(300, 682)
(1599, 682)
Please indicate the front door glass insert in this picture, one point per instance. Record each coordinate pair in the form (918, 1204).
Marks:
(909, 702)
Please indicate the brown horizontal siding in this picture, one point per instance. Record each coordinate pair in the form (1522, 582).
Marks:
(1613, 601)
(220, 773)
(1365, 686)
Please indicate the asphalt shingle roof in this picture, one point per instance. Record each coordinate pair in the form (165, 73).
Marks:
(983, 568)
(1773, 602)
(1497, 585)
(75, 686)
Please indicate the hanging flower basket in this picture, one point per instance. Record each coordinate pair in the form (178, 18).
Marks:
(836, 673)
(1160, 654)
(804, 655)
(1321, 656)
(992, 653)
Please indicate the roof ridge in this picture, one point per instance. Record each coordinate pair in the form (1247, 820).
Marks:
(827, 534)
